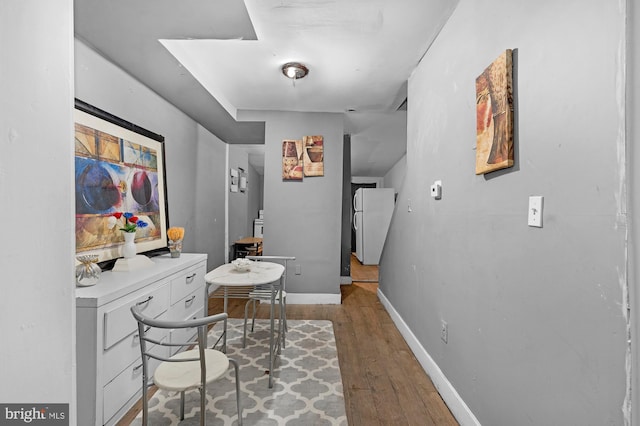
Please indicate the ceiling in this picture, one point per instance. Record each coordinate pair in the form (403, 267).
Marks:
(214, 58)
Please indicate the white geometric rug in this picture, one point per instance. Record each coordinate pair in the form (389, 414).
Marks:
(307, 387)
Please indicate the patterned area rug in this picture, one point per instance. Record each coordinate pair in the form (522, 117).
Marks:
(307, 387)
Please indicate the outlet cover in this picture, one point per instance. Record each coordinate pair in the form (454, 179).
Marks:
(444, 331)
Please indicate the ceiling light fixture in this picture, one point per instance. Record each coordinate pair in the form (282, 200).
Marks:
(294, 70)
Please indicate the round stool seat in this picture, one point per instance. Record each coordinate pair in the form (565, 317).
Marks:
(179, 376)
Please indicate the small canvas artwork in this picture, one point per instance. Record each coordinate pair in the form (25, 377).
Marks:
(494, 115)
(233, 180)
(313, 155)
(292, 160)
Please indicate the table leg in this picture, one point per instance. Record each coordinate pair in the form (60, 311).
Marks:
(271, 337)
(225, 304)
(281, 335)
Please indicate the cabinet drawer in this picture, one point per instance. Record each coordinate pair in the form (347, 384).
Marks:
(187, 281)
(119, 322)
(188, 307)
(124, 386)
(126, 351)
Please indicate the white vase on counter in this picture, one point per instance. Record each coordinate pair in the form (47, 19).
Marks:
(129, 247)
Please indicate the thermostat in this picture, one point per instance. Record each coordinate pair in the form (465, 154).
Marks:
(436, 189)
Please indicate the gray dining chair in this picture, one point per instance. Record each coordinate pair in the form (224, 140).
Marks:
(265, 296)
(193, 368)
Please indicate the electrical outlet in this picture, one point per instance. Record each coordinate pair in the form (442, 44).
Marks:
(298, 269)
(444, 331)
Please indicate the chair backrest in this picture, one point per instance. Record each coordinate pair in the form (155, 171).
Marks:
(151, 346)
(280, 259)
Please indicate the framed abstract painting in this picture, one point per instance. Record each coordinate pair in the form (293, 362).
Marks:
(119, 167)
(494, 115)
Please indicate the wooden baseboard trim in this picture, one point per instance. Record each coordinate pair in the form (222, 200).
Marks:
(458, 408)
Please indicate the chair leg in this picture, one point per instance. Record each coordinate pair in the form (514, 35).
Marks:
(253, 320)
(285, 329)
(203, 412)
(235, 367)
(182, 405)
(145, 402)
(246, 314)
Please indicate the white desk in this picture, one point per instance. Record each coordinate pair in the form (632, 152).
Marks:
(238, 284)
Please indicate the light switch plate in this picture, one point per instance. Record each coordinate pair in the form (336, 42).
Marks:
(535, 211)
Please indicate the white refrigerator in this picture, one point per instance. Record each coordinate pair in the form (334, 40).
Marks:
(373, 208)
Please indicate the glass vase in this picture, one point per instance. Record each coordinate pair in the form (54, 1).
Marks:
(175, 248)
(88, 272)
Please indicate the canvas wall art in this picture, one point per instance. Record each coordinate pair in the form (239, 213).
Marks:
(494, 115)
(292, 160)
(116, 170)
(313, 155)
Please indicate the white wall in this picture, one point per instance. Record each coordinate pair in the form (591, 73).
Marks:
(537, 319)
(633, 157)
(254, 197)
(210, 202)
(238, 201)
(395, 177)
(303, 219)
(194, 158)
(37, 317)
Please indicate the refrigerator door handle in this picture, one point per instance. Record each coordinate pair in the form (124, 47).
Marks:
(355, 223)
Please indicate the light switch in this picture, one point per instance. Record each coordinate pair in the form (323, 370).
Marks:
(535, 210)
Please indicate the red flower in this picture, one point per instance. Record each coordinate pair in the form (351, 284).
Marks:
(117, 215)
(133, 219)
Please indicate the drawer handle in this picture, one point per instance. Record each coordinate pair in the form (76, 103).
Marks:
(188, 301)
(144, 301)
(137, 367)
(191, 277)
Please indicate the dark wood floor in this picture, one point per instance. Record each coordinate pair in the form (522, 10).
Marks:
(383, 382)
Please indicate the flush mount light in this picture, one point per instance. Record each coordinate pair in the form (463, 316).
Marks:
(294, 70)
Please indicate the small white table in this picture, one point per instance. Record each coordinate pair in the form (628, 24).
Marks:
(237, 284)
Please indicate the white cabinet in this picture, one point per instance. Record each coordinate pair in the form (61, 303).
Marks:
(109, 377)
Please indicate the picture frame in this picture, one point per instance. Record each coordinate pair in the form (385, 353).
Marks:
(292, 160)
(119, 167)
(313, 149)
(495, 115)
(233, 181)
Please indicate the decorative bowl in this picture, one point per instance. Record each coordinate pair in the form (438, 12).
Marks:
(242, 265)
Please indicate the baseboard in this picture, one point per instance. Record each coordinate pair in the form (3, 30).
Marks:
(458, 408)
(345, 279)
(313, 299)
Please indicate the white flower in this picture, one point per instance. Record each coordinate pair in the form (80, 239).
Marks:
(111, 222)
